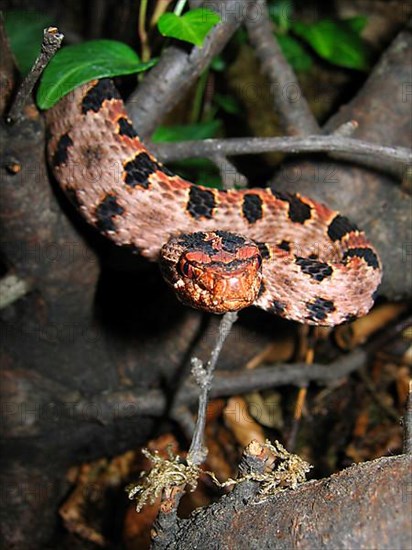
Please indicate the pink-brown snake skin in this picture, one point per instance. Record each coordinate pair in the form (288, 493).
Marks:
(297, 258)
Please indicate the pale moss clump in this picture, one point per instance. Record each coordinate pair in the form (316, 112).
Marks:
(165, 474)
(283, 470)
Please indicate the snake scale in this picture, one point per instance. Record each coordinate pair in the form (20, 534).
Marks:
(219, 250)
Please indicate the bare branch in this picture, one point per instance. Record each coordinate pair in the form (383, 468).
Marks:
(52, 40)
(407, 423)
(231, 177)
(178, 70)
(154, 402)
(204, 377)
(295, 115)
(397, 158)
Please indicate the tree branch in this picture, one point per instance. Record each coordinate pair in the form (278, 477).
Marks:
(295, 115)
(397, 158)
(153, 402)
(177, 70)
(52, 40)
(407, 423)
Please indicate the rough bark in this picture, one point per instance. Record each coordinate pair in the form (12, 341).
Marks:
(366, 506)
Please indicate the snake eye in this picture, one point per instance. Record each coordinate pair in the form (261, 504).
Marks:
(185, 268)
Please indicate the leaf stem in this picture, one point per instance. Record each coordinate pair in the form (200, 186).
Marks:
(145, 48)
(159, 10)
(198, 99)
(179, 7)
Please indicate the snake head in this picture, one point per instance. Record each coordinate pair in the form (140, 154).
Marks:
(216, 271)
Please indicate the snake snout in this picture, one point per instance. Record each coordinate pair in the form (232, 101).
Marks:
(215, 271)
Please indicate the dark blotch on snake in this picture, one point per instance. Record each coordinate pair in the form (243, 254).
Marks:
(126, 128)
(61, 154)
(314, 268)
(366, 254)
(230, 242)
(339, 227)
(105, 212)
(102, 90)
(196, 241)
(263, 249)
(319, 309)
(138, 170)
(284, 245)
(252, 207)
(72, 196)
(299, 211)
(201, 203)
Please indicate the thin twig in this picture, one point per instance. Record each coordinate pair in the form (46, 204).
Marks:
(144, 43)
(396, 157)
(231, 177)
(371, 388)
(167, 521)
(407, 423)
(52, 40)
(204, 377)
(154, 402)
(309, 335)
(119, 404)
(295, 115)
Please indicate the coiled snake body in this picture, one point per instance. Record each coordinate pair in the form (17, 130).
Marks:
(220, 250)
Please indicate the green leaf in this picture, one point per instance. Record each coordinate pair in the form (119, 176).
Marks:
(78, 64)
(336, 42)
(281, 12)
(25, 32)
(240, 37)
(200, 170)
(356, 23)
(191, 27)
(200, 130)
(294, 52)
(203, 171)
(228, 103)
(218, 64)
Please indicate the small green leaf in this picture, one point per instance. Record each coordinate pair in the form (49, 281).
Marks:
(281, 11)
(203, 171)
(240, 37)
(356, 23)
(78, 64)
(200, 130)
(336, 42)
(200, 170)
(218, 64)
(228, 103)
(191, 27)
(25, 32)
(294, 53)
